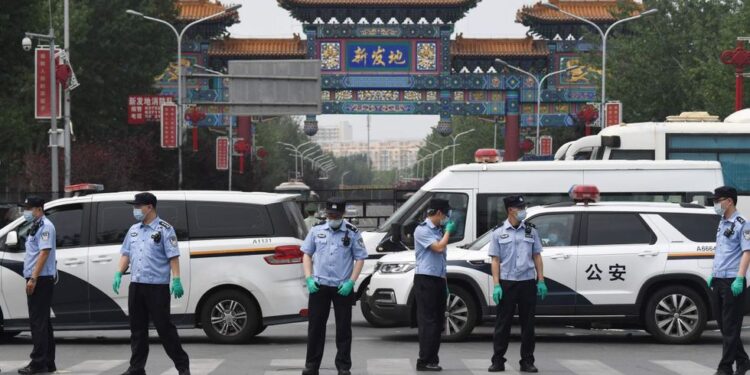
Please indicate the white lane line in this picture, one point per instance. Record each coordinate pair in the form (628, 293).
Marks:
(198, 366)
(289, 362)
(685, 367)
(94, 366)
(8, 366)
(395, 366)
(588, 367)
(480, 366)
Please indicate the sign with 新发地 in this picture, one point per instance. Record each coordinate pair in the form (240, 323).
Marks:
(145, 108)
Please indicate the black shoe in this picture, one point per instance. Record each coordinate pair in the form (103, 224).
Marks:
(723, 372)
(30, 369)
(742, 369)
(308, 371)
(51, 367)
(134, 372)
(434, 367)
(345, 372)
(529, 368)
(184, 372)
(496, 367)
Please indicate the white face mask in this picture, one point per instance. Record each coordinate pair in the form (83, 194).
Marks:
(28, 215)
(521, 215)
(719, 209)
(335, 223)
(138, 214)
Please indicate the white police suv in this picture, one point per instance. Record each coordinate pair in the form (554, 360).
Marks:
(240, 262)
(612, 264)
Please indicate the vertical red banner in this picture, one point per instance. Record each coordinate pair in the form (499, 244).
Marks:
(614, 113)
(43, 86)
(169, 125)
(222, 153)
(545, 145)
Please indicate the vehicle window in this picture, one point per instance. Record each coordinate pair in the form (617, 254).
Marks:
(405, 209)
(22, 230)
(459, 206)
(617, 229)
(68, 221)
(491, 210)
(480, 242)
(732, 151)
(114, 219)
(295, 220)
(696, 227)
(226, 220)
(618, 154)
(555, 229)
(645, 197)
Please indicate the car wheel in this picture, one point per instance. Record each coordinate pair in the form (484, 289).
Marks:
(230, 317)
(260, 330)
(676, 315)
(371, 318)
(460, 314)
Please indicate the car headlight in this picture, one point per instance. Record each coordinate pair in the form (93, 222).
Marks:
(395, 267)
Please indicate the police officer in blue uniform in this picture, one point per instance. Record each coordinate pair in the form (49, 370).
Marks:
(334, 254)
(431, 239)
(728, 279)
(518, 275)
(150, 250)
(40, 269)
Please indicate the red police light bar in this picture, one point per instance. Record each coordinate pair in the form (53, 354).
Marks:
(82, 188)
(486, 155)
(584, 193)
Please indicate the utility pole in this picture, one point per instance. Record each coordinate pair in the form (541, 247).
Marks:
(369, 162)
(66, 99)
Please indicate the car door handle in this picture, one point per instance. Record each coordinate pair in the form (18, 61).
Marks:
(73, 262)
(648, 253)
(102, 260)
(560, 256)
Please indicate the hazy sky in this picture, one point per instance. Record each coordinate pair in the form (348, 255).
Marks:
(490, 19)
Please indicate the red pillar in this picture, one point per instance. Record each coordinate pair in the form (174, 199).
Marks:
(512, 128)
(244, 131)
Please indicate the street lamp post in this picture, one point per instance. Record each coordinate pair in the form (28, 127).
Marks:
(604, 35)
(454, 139)
(296, 154)
(342, 178)
(303, 155)
(539, 83)
(179, 36)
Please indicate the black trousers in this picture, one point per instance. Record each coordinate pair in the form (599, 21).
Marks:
(429, 293)
(729, 313)
(521, 294)
(152, 301)
(42, 334)
(319, 307)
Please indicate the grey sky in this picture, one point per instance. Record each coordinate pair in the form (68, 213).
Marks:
(490, 19)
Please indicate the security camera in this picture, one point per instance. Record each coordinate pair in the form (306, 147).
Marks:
(26, 44)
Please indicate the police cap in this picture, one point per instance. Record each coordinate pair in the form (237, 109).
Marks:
(32, 202)
(143, 199)
(439, 204)
(335, 206)
(725, 192)
(514, 201)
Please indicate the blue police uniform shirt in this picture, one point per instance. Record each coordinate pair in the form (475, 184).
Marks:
(515, 247)
(729, 249)
(429, 262)
(149, 259)
(333, 261)
(44, 238)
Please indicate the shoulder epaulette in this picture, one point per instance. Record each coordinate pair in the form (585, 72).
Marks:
(352, 227)
(319, 223)
(422, 223)
(740, 219)
(165, 224)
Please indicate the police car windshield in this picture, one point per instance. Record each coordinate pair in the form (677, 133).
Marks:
(405, 209)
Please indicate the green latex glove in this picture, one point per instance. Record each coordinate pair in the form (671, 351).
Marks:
(497, 294)
(541, 289)
(738, 285)
(177, 290)
(710, 279)
(312, 287)
(116, 282)
(346, 288)
(450, 228)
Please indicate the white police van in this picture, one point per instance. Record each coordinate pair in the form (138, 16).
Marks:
(610, 264)
(240, 262)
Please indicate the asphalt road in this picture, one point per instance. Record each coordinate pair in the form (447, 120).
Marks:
(280, 350)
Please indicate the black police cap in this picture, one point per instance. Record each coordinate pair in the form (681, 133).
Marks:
(32, 202)
(514, 201)
(142, 199)
(439, 204)
(725, 192)
(335, 206)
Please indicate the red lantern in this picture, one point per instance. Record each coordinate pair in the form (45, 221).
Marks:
(194, 115)
(527, 145)
(261, 153)
(588, 114)
(242, 147)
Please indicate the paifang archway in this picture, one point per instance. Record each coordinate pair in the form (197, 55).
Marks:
(402, 57)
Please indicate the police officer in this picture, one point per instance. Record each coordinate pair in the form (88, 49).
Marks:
(39, 269)
(727, 279)
(150, 250)
(430, 280)
(517, 272)
(334, 256)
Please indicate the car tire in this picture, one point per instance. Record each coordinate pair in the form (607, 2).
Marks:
(371, 317)
(461, 314)
(675, 315)
(260, 329)
(230, 317)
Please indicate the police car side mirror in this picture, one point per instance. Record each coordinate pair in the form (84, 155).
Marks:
(11, 240)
